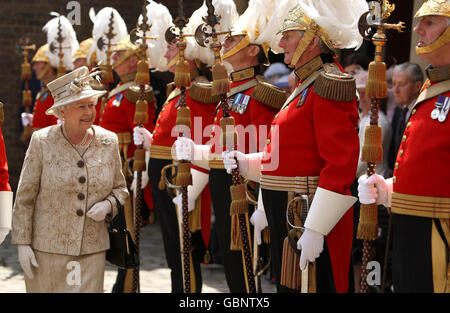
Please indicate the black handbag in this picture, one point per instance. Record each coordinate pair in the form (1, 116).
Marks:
(122, 252)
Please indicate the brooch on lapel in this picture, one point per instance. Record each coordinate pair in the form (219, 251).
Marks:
(106, 141)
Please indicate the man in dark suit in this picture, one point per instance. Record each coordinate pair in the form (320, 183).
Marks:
(407, 81)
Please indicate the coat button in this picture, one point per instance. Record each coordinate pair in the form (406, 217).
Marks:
(396, 165)
(80, 212)
(394, 179)
(82, 180)
(80, 196)
(401, 152)
(80, 163)
(413, 111)
(404, 138)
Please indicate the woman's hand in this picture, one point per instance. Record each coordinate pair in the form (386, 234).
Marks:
(99, 210)
(26, 259)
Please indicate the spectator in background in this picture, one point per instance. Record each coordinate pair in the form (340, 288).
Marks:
(275, 71)
(407, 81)
(355, 62)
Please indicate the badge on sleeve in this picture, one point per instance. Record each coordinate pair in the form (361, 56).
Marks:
(117, 100)
(239, 103)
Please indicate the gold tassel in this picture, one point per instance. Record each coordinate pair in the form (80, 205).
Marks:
(229, 135)
(376, 87)
(61, 71)
(142, 74)
(162, 183)
(372, 150)
(368, 222)
(184, 177)
(220, 84)
(239, 203)
(235, 242)
(26, 71)
(139, 160)
(183, 116)
(182, 74)
(26, 98)
(195, 216)
(266, 235)
(141, 114)
(26, 134)
(290, 270)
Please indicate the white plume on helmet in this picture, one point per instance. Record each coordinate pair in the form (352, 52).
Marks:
(255, 18)
(101, 22)
(339, 18)
(270, 33)
(160, 19)
(69, 44)
(227, 11)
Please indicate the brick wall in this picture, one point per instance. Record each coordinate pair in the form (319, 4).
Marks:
(26, 18)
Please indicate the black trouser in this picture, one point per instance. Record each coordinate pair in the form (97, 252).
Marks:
(412, 269)
(219, 186)
(275, 203)
(165, 214)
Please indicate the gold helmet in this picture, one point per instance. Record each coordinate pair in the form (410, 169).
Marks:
(435, 7)
(41, 54)
(83, 51)
(334, 22)
(125, 45)
(250, 24)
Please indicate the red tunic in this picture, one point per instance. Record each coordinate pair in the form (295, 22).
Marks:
(164, 136)
(118, 116)
(422, 167)
(4, 176)
(252, 126)
(318, 137)
(42, 104)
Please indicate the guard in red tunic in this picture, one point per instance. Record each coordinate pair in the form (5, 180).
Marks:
(6, 195)
(311, 155)
(202, 108)
(419, 191)
(44, 100)
(49, 64)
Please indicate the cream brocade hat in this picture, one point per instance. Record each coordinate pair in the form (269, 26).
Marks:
(72, 87)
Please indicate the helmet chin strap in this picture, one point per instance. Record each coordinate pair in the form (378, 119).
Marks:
(436, 44)
(241, 45)
(304, 42)
(128, 54)
(44, 71)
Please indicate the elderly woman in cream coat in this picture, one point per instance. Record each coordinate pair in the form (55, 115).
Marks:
(70, 181)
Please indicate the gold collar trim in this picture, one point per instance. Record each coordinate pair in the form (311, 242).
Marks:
(312, 66)
(128, 77)
(244, 74)
(438, 74)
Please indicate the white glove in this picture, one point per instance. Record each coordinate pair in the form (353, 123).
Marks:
(26, 259)
(184, 148)
(199, 181)
(99, 210)
(259, 219)
(3, 233)
(375, 189)
(229, 161)
(142, 136)
(27, 118)
(311, 244)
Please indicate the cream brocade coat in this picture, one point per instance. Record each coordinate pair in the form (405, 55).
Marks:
(52, 197)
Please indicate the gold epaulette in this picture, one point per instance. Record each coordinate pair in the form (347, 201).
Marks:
(335, 85)
(201, 92)
(269, 94)
(170, 88)
(132, 94)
